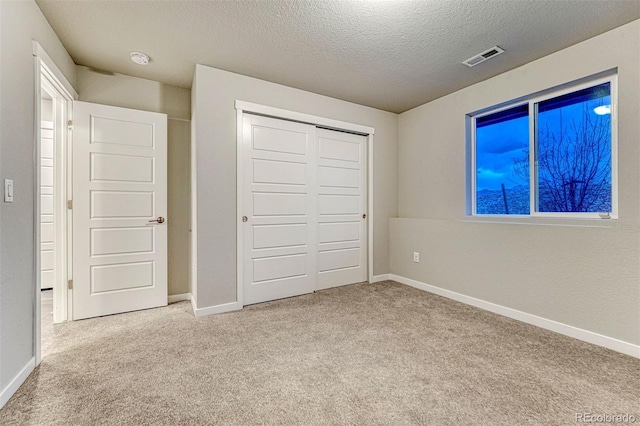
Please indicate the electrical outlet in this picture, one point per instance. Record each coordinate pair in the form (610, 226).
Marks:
(416, 257)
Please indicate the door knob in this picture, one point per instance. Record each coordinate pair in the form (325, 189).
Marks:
(244, 218)
(158, 220)
(364, 215)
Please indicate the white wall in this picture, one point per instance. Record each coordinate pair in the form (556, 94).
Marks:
(20, 23)
(582, 273)
(132, 92)
(138, 93)
(214, 123)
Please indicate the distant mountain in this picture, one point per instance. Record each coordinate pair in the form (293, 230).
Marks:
(490, 201)
(516, 188)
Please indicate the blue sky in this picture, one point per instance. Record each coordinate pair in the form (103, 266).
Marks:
(497, 146)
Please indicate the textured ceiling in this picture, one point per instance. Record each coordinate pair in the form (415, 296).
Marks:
(392, 55)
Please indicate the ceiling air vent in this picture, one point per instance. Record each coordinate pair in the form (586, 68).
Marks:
(487, 54)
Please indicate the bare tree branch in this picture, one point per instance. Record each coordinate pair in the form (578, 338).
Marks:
(573, 165)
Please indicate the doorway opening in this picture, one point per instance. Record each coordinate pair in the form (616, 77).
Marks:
(100, 207)
(47, 213)
(53, 111)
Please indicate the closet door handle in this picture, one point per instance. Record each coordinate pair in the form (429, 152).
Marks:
(364, 215)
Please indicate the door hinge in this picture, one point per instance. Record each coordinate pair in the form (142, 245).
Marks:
(70, 124)
(70, 284)
(69, 204)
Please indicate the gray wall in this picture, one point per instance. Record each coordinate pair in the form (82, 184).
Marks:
(138, 93)
(214, 115)
(584, 273)
(20, 23)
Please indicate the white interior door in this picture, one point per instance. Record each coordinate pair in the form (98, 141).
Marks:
(342, 207)
(279, 238)
(119, 190)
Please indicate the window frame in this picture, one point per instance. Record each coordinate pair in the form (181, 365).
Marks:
(532, 101)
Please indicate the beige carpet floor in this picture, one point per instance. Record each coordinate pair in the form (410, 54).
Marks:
(46, 319)
(366, 354)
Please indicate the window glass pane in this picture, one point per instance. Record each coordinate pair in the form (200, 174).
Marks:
(574, 152)
(502, 162)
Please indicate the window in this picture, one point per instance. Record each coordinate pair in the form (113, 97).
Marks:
(548, 155)
(502, 165)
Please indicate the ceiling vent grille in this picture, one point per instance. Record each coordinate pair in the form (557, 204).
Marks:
(487, 54)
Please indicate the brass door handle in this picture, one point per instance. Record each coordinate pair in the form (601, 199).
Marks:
(244, 218)
(157, 220)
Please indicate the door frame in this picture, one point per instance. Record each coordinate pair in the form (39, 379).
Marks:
(46, 69)
(243, 107)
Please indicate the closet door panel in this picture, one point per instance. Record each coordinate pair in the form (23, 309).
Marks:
(341, 209)
(279, 203)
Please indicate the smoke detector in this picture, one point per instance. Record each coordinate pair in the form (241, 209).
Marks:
(140, 58)
(481, 57)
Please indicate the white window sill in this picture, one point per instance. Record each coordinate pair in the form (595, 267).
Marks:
(586, 222)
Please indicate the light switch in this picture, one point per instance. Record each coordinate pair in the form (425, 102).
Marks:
(8, 191)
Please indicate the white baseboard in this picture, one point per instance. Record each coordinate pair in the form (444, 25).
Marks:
(17, 381)
(378, 278)
(174, 298)
(568, 330)
(217, 309)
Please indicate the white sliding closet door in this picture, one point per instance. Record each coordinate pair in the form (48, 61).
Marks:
(342, 207)
(279, 236)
